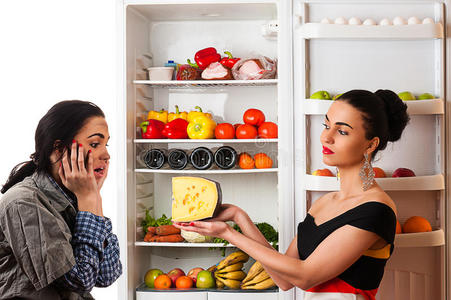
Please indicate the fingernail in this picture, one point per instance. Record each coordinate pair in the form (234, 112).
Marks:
(80, 145)
(73, 141)
(89, 151)
(191, 224)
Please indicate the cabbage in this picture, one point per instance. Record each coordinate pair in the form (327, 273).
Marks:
(194, 237)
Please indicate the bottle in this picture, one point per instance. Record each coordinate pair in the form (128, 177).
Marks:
(225, 157)
(154, 158)
(177, 159)
(201, 158)
(171, 63)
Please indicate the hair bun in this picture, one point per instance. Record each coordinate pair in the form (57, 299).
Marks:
(396, 111)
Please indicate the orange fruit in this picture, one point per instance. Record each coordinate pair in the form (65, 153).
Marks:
(379, 173)
(162, 282)
(416, 224)
(323, 172)
(262, 161)
(184, 282)
(398, 227)
(246, 161)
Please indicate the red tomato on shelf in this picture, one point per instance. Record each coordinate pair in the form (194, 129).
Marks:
(246, 131)
(268, 130)
(254, 117)
(225, 131)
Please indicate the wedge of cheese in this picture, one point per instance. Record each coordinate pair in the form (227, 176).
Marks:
(194, 198)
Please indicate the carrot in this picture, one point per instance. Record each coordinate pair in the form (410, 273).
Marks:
(172, 238)
(167, 230)
(151, 229)
(148, 236)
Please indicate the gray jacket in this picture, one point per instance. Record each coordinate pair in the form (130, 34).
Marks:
(35, 234)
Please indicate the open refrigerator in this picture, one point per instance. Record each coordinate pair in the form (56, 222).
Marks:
(311, 56)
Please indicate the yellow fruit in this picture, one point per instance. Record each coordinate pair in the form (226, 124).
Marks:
(234, 267)
(253, 271)
(416, 224)
(265, 284)
(233, 258)
(236, 275)
(263, 275)
(230, 283)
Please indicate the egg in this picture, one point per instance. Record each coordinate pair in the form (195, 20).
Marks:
(326, 21)
(385, 22)
(428, 21)
(369, 22)
(355, 21)
(413, 20)
(399, 21)
(341, 21)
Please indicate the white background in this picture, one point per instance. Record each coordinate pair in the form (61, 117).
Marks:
(53, 50)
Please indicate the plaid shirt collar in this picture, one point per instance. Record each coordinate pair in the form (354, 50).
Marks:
(57, 187)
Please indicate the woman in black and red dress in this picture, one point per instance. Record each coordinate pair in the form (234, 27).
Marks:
(344, 242)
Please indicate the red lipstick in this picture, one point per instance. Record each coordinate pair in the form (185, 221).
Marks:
(327, 151)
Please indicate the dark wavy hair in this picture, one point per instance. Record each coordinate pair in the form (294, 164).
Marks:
(384, 114)
(55, 130)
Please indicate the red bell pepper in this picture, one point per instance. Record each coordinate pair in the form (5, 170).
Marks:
(176, 129)
(205, 57)
(152, 129)
(229, 61)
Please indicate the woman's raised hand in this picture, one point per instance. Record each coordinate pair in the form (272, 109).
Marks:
(80, 179)
(228, 212)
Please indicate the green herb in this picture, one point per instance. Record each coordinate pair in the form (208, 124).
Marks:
(150, 221)
(270, 234)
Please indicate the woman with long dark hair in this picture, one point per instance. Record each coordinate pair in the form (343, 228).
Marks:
(55, 242)
(343, 244)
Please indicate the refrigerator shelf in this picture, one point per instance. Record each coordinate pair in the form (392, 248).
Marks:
(414, 107)
(417, 183)
(206, 141)
(186, 245)
(391, 32)
(210, 171)
(189, 84)
(420, 239)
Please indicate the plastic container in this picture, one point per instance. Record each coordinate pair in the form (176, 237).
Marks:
(160, 73)
(174, 65)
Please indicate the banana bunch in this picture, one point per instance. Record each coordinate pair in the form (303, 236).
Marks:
(229, 273)
(257, 278)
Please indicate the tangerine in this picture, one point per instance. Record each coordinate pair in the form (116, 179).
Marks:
(246, 161)
(379, 173)
(162, 282)
(184, 282)
(262, 161)
(416, 224)
(398, 227)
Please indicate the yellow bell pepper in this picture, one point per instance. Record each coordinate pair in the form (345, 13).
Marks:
(201, 127)
(161, 115)
(177, 115)
(193, 114)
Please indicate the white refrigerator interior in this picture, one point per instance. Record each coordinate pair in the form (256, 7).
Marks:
(311, 56)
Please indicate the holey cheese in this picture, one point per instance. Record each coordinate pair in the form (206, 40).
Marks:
(194, 198)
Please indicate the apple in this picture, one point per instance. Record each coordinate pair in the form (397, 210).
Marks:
(406, 96)
(150, 277)
(403, 172)
(205, 280)
(379, 173)
(193, 273)
(174, 274)
(323, 95)
(425, 96)
(323, 172)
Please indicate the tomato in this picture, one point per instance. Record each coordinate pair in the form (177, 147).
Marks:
(246, 131)
(253, 116)
(225, 131)
(268, 130)
(236, 125)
